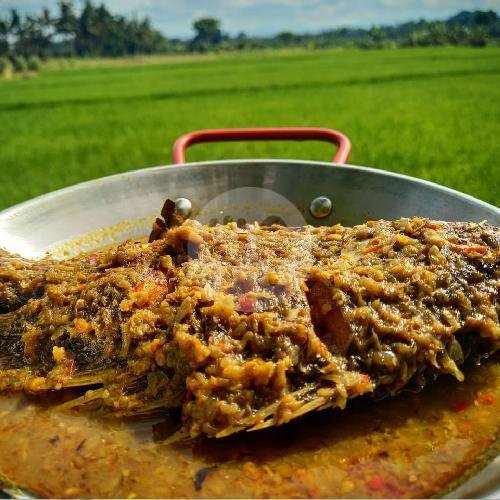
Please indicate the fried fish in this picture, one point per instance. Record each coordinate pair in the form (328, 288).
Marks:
(245, 328)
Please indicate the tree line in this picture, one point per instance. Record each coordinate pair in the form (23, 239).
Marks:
(93, 31)
(477, 29)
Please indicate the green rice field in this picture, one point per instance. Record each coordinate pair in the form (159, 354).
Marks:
(433, 113)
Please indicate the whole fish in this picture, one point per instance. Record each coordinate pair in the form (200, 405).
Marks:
(245, 328)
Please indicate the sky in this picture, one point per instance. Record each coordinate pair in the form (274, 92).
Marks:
(259, 17)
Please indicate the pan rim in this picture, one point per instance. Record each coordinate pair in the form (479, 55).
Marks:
(10, 212)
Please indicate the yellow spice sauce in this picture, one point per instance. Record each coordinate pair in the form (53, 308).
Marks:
(411, 445)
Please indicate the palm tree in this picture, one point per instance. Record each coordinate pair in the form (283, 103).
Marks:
(4, 42)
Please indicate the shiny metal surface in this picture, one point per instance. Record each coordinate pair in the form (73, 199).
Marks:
(128, 202)
(111, 209)
(321, 207)
(183, 207)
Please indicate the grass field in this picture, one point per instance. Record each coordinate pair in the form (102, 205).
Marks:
(431, 113)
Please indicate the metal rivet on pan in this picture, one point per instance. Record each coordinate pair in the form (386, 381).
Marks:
(320, 207)
(183, 207)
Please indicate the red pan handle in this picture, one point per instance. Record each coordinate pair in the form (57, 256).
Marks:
(264, 134)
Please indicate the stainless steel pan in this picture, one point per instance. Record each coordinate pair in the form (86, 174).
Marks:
(110, 209)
